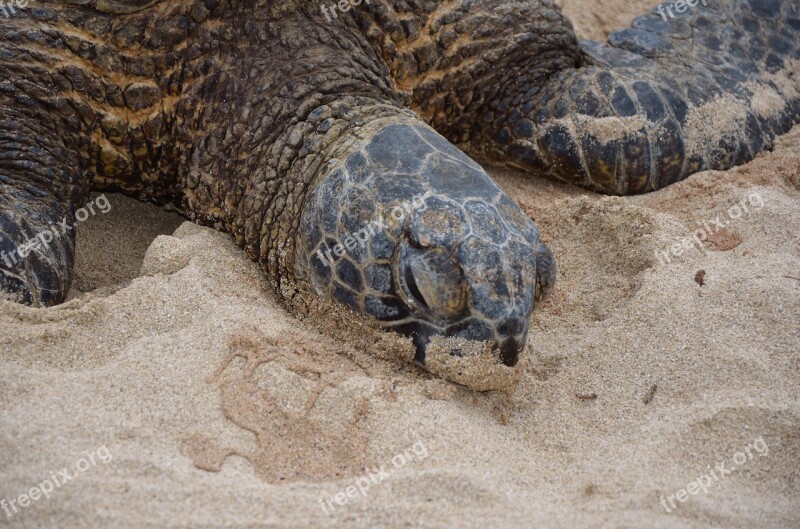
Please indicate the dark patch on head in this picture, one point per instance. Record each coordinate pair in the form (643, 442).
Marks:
(345, 296)
(602, 158)
(780, 45)
(561, 108)
(358, 210)
(378, 277)
(380, 246)
(754, 133)
(677, 104)
(385, 308)
(672, 154)
(483, 267)
(558, 142)
(636, 150)
(458, 180)
(711, 42)
(606, 82)
(503, 136)
(486, 222)
(471, 329)
(441, 223)
(588, 103)
(774, 63)
(397, 148)
(349, 274)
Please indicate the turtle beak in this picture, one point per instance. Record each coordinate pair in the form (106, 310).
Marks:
(513, 333)
(507, 341)
(509, 351)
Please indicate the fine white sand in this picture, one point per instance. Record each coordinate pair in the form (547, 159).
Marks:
(220, 409)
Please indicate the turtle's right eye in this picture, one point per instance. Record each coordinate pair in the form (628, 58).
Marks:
(431, 283)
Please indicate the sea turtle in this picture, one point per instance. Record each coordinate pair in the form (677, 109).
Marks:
(322, 136)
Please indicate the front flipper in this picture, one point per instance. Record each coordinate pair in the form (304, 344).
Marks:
(41, 184)
(37, 248)
(707, 89)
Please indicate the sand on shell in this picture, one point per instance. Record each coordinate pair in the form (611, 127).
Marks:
(646, 370)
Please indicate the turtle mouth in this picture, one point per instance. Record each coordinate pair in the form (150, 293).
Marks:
(421, 333)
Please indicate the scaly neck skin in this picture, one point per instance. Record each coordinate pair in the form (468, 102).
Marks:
(224, 111)
(115, 80)
(445, 55)
(269, 104)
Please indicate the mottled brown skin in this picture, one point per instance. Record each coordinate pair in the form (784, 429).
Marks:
(198, 106)
(229, 112)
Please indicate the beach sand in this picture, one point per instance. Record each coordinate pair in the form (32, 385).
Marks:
(176, 391)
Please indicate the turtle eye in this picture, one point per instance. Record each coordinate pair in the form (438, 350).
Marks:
(432, 283)
(413, 289)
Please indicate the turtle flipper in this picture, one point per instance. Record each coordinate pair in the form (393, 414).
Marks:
(40, 188)
(668, 97)
(37, 248)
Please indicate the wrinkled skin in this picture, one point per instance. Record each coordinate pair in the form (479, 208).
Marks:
(288, 131)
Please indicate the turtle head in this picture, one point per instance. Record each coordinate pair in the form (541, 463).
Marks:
(413, 234)
(466, 272)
